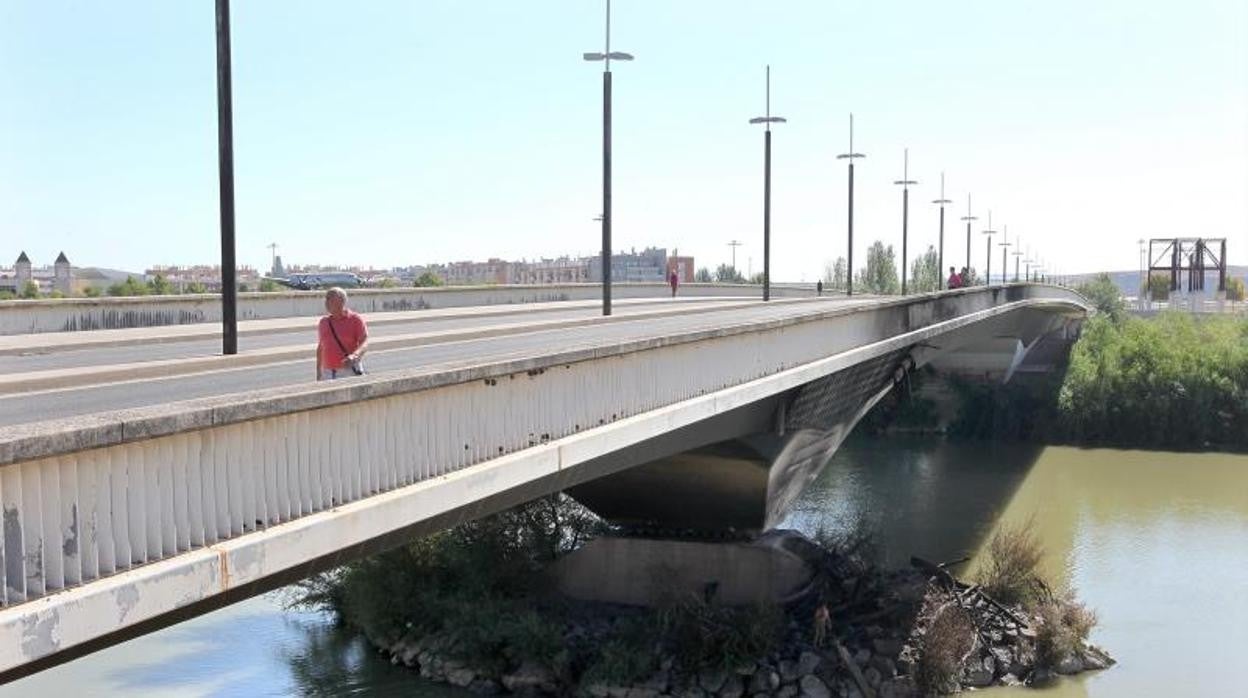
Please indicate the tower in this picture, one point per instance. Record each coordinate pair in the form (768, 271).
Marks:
(63, 275)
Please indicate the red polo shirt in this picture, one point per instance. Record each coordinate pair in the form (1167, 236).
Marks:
(351, 330)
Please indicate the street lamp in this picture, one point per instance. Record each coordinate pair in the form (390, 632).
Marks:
(940, 255)
(225, 172)
(767, 120)
(1018, 253)
(988, 233)
(905, 183)
(606, 57)
(969, 219)
(1143, 284)
(734, 244)
(1005, 245)
(850, 156)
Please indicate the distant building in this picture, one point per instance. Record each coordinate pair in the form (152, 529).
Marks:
(648, 265)
(493, 271)
(564, 270)
(682, 266)
(58, 277)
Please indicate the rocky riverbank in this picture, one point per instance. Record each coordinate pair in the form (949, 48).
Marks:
(903, 633)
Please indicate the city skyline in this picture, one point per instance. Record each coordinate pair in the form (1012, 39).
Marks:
(394, 142)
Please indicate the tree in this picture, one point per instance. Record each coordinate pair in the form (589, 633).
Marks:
(387, 283)
(834, 273)
(160, 286)
(6, 295)
(269, 286)
(880, 274)
(196, 287)
(757, 279)
(243, 288)
(129, 287)
(728, 274)
(30, 290)
(703, 276)
(1105, 296)
(1159, 287)
(1235, 289)
(925, 272)
(91, 292)
(427, 279)
(56, 293)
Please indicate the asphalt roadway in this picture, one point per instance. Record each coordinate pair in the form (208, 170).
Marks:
(29, 407)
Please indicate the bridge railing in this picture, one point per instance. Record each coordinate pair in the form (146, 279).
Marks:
(170, 493)
(79, 314)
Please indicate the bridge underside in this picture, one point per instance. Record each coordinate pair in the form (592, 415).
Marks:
(741, 471)
(150, 520)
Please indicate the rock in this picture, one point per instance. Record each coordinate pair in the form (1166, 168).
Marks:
(872, 675)
(884, 665)
(1070, 664)
(746, 669)
(812, 687)
(979, 673)
(789, 671)
(656, 683)
(1094, 659)
(530, 677)
(1003, 657)
(711, 680)
(690, 692)
(900, 687)
(764, 681)
(887, 646)
(862, 657)
(1041, 677)
(485, 687)
(461, 676)
(732, 688)
(637, 692)
(874, 631)
(597, 690)
(788, 690)
(807, 663)
(1010, 680)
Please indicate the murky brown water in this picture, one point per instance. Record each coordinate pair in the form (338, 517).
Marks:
(1157, 543)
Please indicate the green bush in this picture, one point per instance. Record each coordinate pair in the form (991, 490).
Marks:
(1105, 296)
(30, 290)
(1173, 381)
(1159, 287)
(1234, 289)
(129, 287)
(428, 279)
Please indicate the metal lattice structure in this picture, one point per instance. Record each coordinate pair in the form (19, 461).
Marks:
(1195, 256)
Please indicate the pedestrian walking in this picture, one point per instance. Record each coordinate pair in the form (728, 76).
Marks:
(674, 280)
(342, 339)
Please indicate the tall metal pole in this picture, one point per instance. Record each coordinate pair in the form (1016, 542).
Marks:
(767, 119)
(905, 183)
(1005, 248)
(767, 215)
(225, 169)
(988, 233)
(850, 156)
(606, 57)
(969, 219)
(940, 254)
(734, 245)
(606, 183)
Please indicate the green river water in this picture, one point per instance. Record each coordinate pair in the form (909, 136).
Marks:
(1156, 543)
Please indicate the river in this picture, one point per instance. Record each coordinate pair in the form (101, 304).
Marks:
(1156, 543)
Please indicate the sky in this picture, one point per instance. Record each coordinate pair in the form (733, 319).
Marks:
(391, 133)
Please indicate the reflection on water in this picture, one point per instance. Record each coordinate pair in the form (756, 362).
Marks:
(254, 648)
(1157, 543)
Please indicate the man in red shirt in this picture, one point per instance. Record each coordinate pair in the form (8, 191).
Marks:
(342, 339)
(955, 281)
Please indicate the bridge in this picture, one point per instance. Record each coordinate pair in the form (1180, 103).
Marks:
(132, 498)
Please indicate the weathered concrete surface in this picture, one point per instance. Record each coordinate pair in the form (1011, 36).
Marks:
(13, 383)
(281, 484)
(647, 572)
(78, 314)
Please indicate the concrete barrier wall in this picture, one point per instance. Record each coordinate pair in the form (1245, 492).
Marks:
(131, 515)
(77, 314)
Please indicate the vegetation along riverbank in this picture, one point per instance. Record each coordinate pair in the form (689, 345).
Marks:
(473, 607)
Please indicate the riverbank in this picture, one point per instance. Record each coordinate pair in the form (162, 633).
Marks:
(859, 630)
(1174, 381)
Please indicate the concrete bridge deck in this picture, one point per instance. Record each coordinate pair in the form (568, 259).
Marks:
(118, 520)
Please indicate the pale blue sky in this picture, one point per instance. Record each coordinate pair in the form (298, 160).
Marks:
(393, 133)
